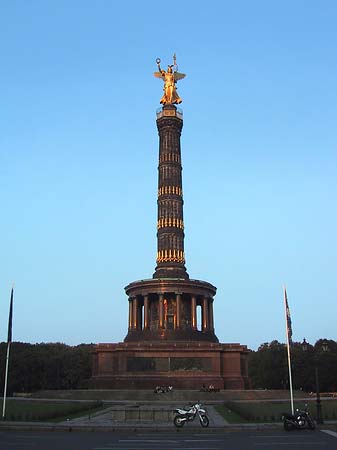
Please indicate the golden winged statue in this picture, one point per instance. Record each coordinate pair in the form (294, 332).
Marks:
(170, 77)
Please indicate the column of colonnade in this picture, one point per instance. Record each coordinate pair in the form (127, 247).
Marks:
(139, 321)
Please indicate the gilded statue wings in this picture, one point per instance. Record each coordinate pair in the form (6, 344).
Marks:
(159, 75)
(179, 76)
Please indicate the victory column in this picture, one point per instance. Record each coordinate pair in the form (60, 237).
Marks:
(165, 343)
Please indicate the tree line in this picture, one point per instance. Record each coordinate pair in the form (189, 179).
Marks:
(268, 366)
(35, 367)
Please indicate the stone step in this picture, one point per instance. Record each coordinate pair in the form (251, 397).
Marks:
(173, 396)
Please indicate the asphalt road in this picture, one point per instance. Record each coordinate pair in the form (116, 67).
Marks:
(248, 440)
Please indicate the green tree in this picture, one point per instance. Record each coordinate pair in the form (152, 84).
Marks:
(268, 366)
(35, 367)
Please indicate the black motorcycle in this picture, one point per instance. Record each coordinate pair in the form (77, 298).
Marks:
(299, 420)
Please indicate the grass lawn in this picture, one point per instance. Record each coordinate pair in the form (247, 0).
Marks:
(51, 411)
(229, 415)
(256, 412)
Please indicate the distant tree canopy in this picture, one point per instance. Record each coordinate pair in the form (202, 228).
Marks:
(35, 367)
(268, 366)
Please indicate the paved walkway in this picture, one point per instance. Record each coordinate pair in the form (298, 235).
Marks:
(104, 419)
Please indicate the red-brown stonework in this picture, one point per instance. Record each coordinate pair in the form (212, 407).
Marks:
(171, 338)
(166, 310)
(184, 365)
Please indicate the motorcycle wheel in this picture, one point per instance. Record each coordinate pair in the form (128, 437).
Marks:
(204, 421)
(179, 421)
(302, 423)
(287, 426)
(311, 424)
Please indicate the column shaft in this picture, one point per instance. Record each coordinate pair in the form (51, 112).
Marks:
(135, 313)
(146, 312)
(211, 317)
(194, 312)
(170, 225)
(130, 313)
(205, 317)
(140, 316)
(178, 313)
(161, 310)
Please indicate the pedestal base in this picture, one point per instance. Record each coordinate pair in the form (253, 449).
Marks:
(182, 365)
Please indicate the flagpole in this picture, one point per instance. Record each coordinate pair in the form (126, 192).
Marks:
(287, 317)
(6, 380)
(9, 341)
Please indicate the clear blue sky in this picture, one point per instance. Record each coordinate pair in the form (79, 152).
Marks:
(79, 155)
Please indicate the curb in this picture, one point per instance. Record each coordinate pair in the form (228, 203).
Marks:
(136, 428)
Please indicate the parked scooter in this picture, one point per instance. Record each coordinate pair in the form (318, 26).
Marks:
(301, 419)
(189, 414)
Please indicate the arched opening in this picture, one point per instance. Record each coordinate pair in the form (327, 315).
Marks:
(199, 318)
